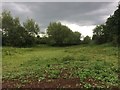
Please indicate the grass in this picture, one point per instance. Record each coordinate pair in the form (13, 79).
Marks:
(44, 62)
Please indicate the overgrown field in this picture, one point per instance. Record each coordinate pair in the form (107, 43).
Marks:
(75, 66)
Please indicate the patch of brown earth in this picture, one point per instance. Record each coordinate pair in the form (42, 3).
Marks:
(49, 83)
(71, 83)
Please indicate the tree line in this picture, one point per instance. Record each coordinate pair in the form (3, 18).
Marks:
(26, 34)
(110, 31)
(15, 33)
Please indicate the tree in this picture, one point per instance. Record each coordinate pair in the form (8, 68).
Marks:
(9, 26)
(61, 35)
(41, 40)
(0, 38)
(112, 27)
(98, 30)
(31, 26)
(0, 30)
(7, 21)
(21, 38)
(87, 40)
(76, 37)
(98, 34)
(13, 34)
(109, 32)
(0, 21)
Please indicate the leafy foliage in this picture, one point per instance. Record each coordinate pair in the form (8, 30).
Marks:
(98, 34)
(31, 26)
(87, 40)
(109, 32)
(13, 34)
(61, 35)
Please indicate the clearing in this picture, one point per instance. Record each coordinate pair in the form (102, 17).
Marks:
(44, 66)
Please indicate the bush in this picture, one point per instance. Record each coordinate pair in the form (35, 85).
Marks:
(87, 40)
(41, 40)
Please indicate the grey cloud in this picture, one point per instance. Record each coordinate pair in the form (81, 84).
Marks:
(81, 13)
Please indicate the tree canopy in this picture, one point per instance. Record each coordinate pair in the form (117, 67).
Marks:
(87, 40)
(109, 32)
(31, 26)
(26, 34)
(61, 35)
(13, 34)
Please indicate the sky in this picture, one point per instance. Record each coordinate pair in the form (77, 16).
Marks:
(78, 16)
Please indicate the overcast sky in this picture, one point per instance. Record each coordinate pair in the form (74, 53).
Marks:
(78, 16)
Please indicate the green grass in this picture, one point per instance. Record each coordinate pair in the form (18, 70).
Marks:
(41, 62)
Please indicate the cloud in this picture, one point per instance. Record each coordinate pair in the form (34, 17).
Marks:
(19, 8)
(84, 30)
(79, 14)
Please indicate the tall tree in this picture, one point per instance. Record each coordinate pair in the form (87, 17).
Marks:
(31, 26)
(13, 33)
(112, 27)
(110, 31)
(9, 25)
(7, 20)
(98, 34)
(76, 37)
(61, 35)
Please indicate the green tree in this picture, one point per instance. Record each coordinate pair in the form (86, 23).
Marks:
(0, 21)
(9, 27)
(0, 30)
(98, 34)
(112, 27)
(31, 26)
(13, 34)
(0, 38)
(109, 32)
(76, 37)
(87, 40)
(7, 21)
(61, 35)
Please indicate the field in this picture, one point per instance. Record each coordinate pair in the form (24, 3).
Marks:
(81, 66)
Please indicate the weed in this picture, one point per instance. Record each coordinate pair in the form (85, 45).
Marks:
(87, 85)
(53, 74)
(97, 62)
(67, 59)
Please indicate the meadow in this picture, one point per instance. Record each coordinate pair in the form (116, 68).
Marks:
(80, 66)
